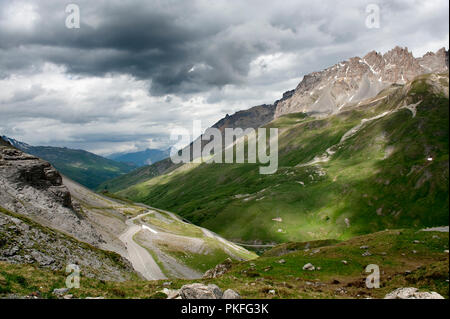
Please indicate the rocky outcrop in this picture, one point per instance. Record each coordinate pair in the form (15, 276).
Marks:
(24, 242)
(219, 270)
(31, 187)
(412, 293)
(254, 117)
(356, 79)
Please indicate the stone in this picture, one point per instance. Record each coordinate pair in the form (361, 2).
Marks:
(200, 291)
(68, 296)
(367, 253)
(231, 294)
(219, 270)
(345, 262)
(309, 267)
(281, 261)
(364, 247)
(60, 291)
(412, 293)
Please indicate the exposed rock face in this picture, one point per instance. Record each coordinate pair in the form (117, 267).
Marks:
(412, 293)
(31, 187)
(254, 117)
(25, 242)
(357, 79)
(219, 270)
(25, 170)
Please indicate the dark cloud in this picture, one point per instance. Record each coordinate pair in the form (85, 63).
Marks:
(135, 66)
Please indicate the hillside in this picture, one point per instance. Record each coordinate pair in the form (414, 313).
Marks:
(379, 163)
(84, 167)
(48, 220)
(406, 258)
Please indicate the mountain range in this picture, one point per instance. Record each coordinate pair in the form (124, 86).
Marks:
(141, 158)
(363, 179)
(355, 140)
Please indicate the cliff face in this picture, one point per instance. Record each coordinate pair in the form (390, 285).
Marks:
(31, 187)
(254, 117)
(356, 79)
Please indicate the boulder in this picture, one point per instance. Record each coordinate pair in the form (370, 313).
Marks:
(231, 294)
(219, 270)
(309, 267)
(60, 291)
(200, 291)
(412, 293)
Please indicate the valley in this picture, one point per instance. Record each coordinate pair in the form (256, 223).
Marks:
(361, 170)
(362, 179)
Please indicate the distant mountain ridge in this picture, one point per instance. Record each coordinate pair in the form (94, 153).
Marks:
(142, 158)
(84, 167)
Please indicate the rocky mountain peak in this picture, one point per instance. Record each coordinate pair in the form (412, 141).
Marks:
(356, 79)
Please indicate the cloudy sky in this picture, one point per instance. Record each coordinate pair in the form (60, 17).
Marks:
(135, 69)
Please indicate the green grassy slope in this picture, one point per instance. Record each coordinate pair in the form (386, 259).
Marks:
(138, 175)
(378, 178)
(86, 168)
(406, 258)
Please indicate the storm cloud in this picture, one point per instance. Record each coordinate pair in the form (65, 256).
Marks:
(136, 68)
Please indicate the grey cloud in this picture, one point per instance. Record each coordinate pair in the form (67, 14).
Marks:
(180, 51)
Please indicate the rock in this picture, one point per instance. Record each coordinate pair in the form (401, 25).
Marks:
(416, 242)
(272, 292)
(281, 261)
(219, 270)
(446, 251)
(68, 296)
(231, 294)
(60, 291)
(267, 268)
(367, 253)
(309, 267)
(171, 293)
(95, 297)
(200, 291)
(412, 293)
(344, 262)
(364, 247)
(167, 283)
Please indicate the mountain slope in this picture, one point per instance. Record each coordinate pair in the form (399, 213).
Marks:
(378, 164)
(65, 219)
(254, 117)
(84, 167)
(325, 92)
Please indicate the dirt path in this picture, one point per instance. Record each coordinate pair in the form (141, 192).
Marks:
(139, 257)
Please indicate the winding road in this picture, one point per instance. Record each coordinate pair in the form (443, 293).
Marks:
(139, 257)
